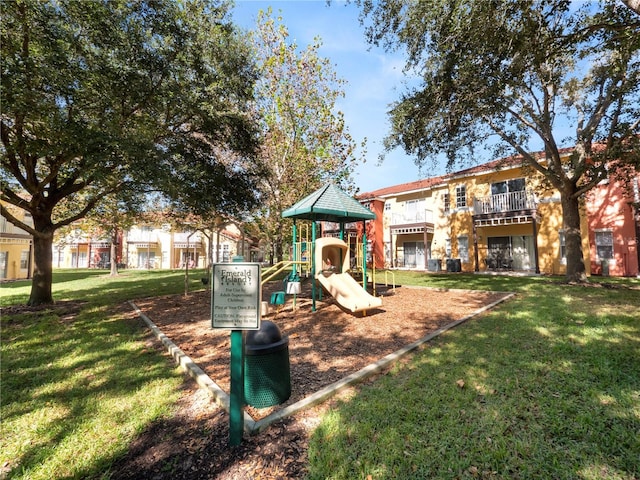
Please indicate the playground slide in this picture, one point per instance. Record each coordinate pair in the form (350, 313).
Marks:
(347, 292)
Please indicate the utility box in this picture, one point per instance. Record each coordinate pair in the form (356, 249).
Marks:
(454, 265)
(434, 265)
(267, 372)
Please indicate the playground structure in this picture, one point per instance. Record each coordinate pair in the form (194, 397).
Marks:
(332, 205)
(333, 255)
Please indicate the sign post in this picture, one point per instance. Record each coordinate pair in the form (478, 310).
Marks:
(235, 306)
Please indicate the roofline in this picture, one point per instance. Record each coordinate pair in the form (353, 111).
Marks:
(432, 183)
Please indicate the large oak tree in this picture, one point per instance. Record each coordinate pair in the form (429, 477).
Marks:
(97, 95)
(516, 72)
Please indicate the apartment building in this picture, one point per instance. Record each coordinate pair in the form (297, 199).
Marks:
(498, 217)
(148, 246)
(613, 213)
(16, 249)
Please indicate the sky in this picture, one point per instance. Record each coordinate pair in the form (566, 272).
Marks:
(374, 80)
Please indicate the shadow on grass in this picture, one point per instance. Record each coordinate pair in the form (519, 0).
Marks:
(67, 381)
(543, 387)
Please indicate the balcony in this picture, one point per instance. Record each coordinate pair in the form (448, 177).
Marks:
(505, 209)
(504, 203)
(412, 222)
(410, 218)
(187, 240)
(140, 238)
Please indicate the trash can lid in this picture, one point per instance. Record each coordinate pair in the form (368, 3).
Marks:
(268, 334)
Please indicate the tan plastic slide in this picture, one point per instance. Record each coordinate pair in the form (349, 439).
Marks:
(347, 292)
(332, 258)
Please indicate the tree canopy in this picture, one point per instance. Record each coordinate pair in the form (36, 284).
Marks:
(512, 74)
(305, 140)
(99, 95)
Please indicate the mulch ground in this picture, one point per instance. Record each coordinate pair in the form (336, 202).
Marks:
(324, 346)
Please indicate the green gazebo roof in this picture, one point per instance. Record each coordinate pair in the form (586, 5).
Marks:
(330, 204)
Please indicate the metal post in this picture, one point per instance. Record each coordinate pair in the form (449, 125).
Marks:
(476, 257)
(236, 423)
(535, 243)
(364, 254)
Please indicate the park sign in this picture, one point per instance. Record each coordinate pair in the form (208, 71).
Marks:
(236, 296)
(236, 306)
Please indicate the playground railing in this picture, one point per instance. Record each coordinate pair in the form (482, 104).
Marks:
(386, 281)
(271, 272)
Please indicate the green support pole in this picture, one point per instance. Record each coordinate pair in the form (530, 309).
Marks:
(294, 270)
(295, 257)
(236, 404)
(313, 266)
(364, 254)
(341, 238)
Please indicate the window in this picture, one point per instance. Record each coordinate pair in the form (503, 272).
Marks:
(224, 253)
(415, 210)
(461, 196)
(604, 244)
(514, 185)
(446, 202)
(563, 249)
(463, 249)
(447, 248)
(4, 263)
(24, 259)
(387, 206)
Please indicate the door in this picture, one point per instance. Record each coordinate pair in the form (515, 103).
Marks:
(420, 260)
(414, 254)
(522, 247)
(4, 263)
(409, 254)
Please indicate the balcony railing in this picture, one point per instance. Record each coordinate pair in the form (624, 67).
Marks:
(142, 237)
(184, 237)
(409, 218)
(504, 202)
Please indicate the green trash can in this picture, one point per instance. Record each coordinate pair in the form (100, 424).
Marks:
(267, 373)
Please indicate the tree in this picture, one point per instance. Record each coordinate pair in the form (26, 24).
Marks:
(514, 71)
(633, 5)
(100, 95)
(306, 142)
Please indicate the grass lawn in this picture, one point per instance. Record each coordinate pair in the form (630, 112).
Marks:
(545, 386)
(78, 386)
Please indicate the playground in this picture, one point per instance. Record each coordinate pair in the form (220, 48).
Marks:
(340, 317)
(324, 346)
(335, 317)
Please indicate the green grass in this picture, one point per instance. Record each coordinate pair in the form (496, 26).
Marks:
(78, 388)
(97, 287)
(545, 386)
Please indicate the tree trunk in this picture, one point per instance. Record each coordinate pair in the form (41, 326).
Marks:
(42, 269)
(278, 247)
(572, 236)
(114, 253)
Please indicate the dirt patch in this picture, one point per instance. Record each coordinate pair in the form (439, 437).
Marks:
(324, 346)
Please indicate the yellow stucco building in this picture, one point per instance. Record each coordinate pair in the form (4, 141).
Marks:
(493, 217)
(16, 249)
